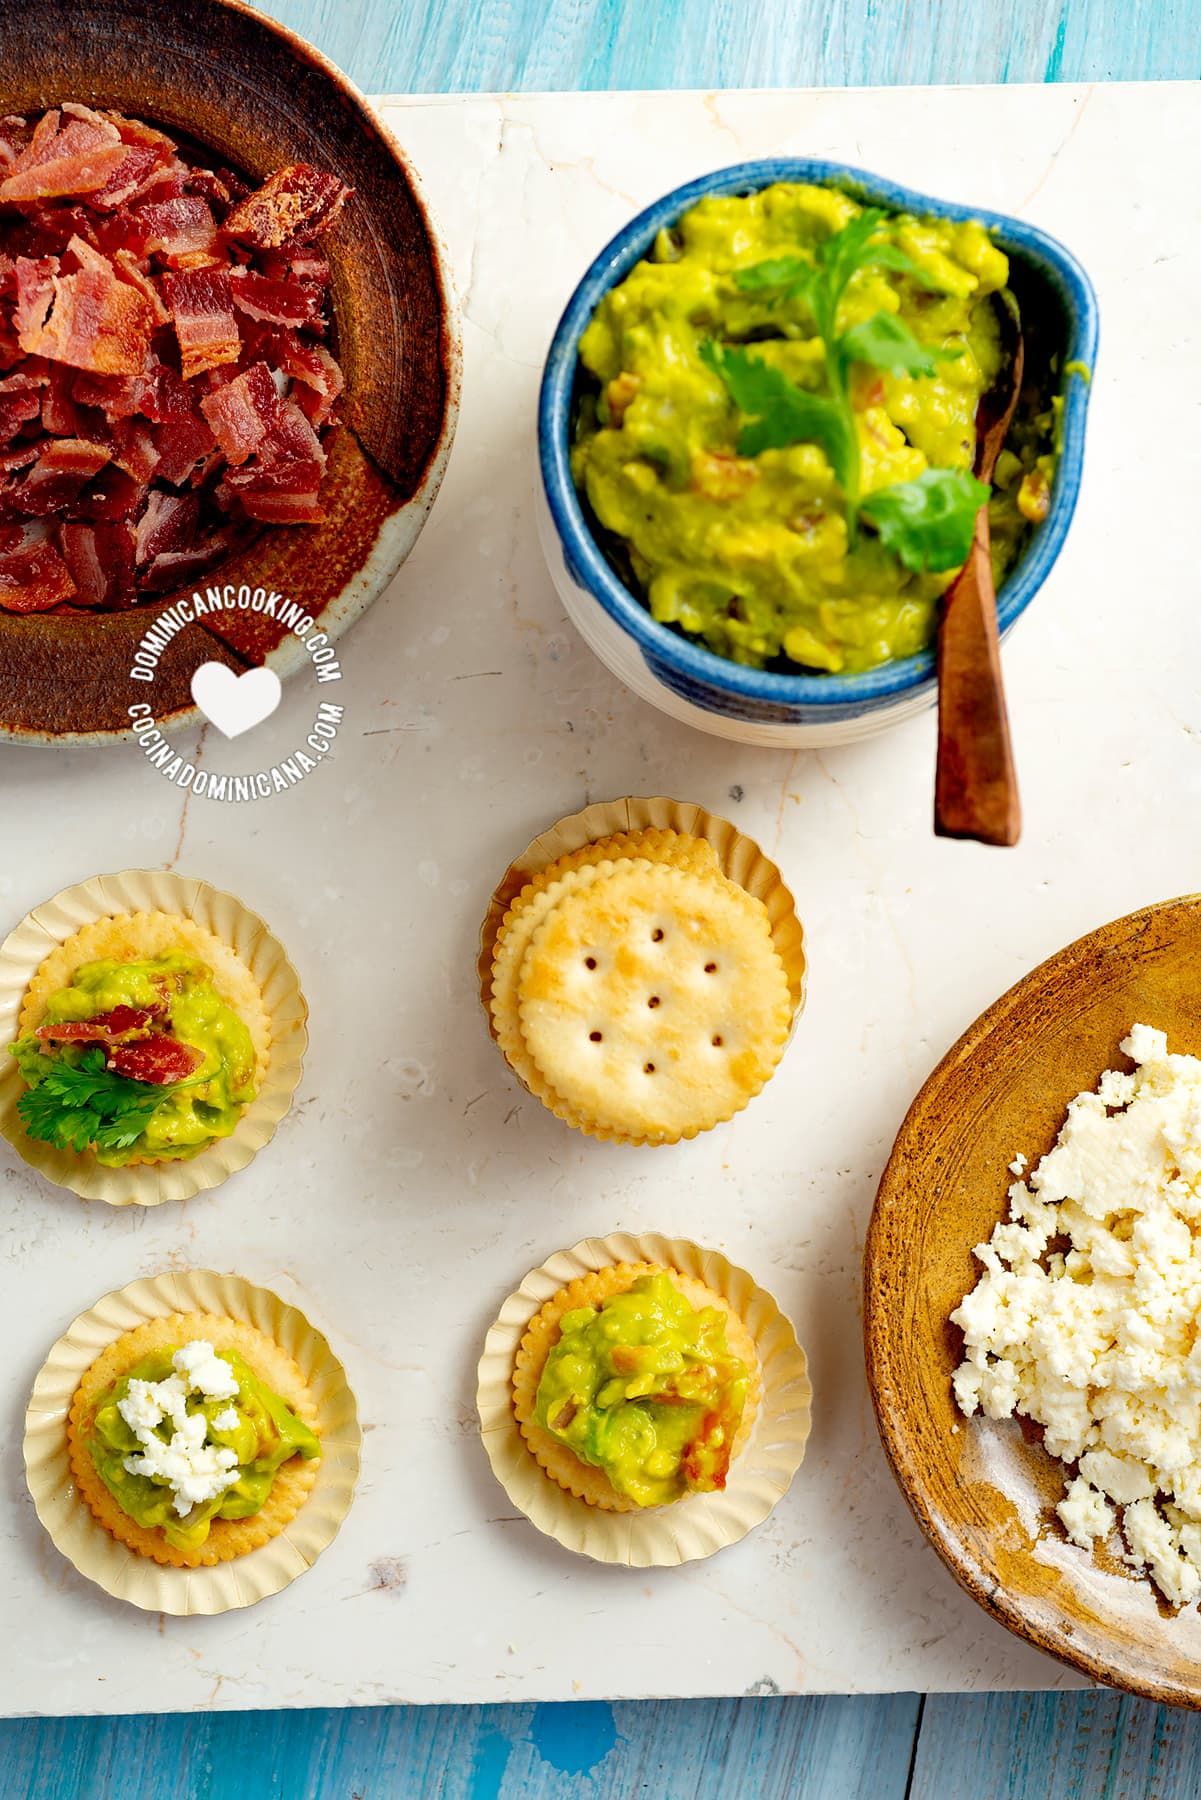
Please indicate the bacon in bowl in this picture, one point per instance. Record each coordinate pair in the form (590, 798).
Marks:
(166, 384)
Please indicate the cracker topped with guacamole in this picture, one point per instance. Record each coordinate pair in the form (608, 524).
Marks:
(192, 1439)
(143, 1038)
(776, 431)
(635, 1386)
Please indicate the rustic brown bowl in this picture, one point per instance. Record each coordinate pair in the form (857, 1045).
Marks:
(258, 97)
(983, 1491)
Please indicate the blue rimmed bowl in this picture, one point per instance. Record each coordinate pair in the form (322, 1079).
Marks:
(682, 678)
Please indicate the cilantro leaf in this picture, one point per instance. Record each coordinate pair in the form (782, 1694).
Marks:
(886, 342)
(791, 274)
(780, 413)
(928, 522)
(75, 1106)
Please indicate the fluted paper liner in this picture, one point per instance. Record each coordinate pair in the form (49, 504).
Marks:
(696, 1526)
(155, 890)
(113, 1565)
(738, 856)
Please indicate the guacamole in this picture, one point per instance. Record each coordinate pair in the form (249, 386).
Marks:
(644, 1387)
(188, 1436)
(154, 1032)
(758, 554)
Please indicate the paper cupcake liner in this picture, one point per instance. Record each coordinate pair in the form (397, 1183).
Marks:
(112, 1565)
(155, 890)
(701, 1523)
(739, 858)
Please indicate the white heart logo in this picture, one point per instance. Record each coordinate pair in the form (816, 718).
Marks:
(235, 703)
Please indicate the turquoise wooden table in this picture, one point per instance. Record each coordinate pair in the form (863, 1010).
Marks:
(900, 1747)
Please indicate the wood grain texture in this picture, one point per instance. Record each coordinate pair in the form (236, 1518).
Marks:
(826, 1748)
(440, 46)
(1055, 1747)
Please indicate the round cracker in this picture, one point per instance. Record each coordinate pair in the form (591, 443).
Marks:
(228, 1538)
(142, 937)
(652, 845)
(563, 1466)
(512, 942)
(654, 1002)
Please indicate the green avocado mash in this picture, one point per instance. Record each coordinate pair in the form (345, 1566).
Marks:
(266, 1433)
(756, 553)
(178, 990)
(644, 1388)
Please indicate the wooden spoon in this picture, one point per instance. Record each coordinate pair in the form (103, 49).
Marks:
(975, 786)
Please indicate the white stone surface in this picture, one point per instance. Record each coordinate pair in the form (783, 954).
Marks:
(412, 1186)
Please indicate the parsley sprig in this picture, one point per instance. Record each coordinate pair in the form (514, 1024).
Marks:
(927, 523)
(74, 1106)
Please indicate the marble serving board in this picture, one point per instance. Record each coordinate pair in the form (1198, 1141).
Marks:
(413, 1183)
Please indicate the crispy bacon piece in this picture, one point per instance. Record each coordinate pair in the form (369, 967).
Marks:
(168, 523)
(275, 302)
(173, 567)
(75, 157)
(201, 307)
(178, 228)
(160, 1059)
(163, 387)
(95, 321)
(113, 494)
(15, 411)
(285, 493)
(100, 558)
(57, 476)
(180, 447)
(139, 171)
(35, 290)
(115, 1027)
(320, 378)
(292, 206)
(243, 411)
(34, 577)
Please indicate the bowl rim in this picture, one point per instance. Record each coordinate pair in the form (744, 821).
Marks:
(1054, 1633)
(587, 562)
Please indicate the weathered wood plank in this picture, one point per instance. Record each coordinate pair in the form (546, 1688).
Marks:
(1055, 1747)
(824, 1748)
(436, 46)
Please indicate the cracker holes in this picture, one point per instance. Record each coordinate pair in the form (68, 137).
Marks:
(595, 1037)
(657, 935)
(648, 1068)
(710, 968)
(654, 1001)
(590, 962)
(717, 1040)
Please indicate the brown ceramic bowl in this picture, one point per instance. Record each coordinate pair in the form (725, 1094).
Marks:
(257, 96)
(983, 1491)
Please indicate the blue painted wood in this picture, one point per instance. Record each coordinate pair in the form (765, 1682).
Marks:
(443, 46)
(687, 1750)
(1056, 1747)
(1003, 1747)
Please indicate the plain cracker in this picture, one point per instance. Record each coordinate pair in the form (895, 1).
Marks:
(654, 1002)
(228, 1538)
(583, 1479)
(529, 907)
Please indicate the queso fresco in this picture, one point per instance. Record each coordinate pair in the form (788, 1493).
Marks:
(778, 436)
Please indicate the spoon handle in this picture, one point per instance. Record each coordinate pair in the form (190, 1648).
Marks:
(975, 788)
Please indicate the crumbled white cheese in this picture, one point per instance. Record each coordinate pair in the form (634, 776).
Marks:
(227, 1420)
(208, 1373)
(1100, 1341)
(194, 1470)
